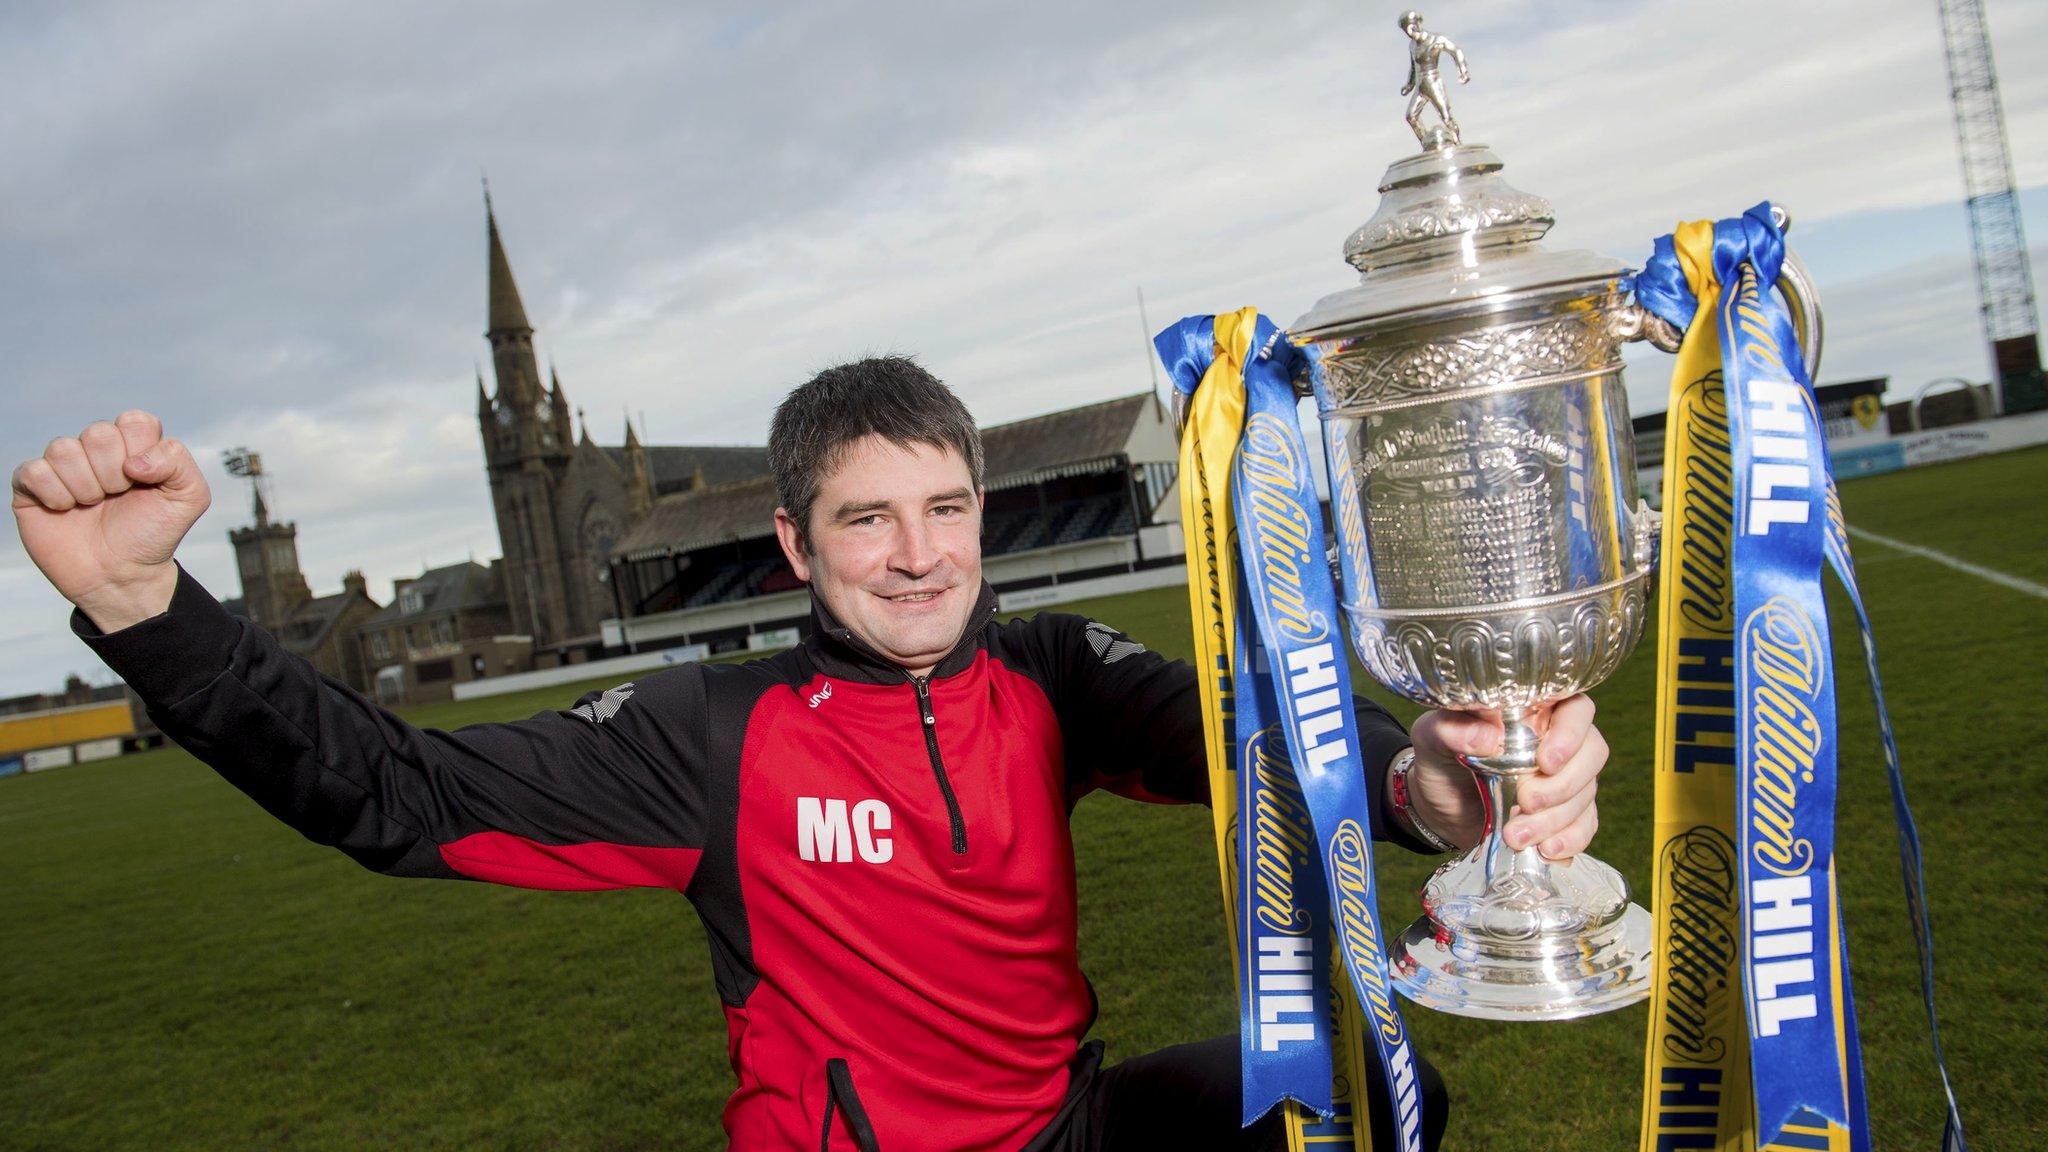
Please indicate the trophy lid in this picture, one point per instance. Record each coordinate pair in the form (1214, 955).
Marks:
(1451, 232)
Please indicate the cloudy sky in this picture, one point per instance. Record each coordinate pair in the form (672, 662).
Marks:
(263, 221)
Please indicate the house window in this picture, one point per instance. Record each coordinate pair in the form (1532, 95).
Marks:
(434, 671)
(444, 631)
(411, 601)
(380, 645)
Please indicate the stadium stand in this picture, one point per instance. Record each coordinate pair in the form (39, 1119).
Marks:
(1067, 496)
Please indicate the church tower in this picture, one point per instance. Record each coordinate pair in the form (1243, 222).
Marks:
(267, 556)
(527, 441)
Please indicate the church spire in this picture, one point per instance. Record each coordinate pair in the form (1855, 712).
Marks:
(508, 314)
(559, 402)
(639, 476)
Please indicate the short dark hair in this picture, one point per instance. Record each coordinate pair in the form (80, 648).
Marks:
(887, 396)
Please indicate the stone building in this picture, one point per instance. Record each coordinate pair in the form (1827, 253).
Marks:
(446, 626)
(561, 500)
(275, 595)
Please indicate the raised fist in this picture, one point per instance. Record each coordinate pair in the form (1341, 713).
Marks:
(101, 514)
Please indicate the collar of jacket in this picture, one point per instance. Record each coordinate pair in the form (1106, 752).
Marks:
(838, 652)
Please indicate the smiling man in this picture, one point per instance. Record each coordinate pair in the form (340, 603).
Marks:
(872, 826)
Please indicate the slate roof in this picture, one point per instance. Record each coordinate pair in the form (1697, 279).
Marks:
(1012, 453)
(688, 520)
(1072, 436)
(464, 584)
(673, 465)
(312, 620)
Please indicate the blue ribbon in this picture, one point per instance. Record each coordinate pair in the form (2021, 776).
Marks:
(1785, 735)
(1662, 287)
(1187, 349)
(1285, 1045)
(1789, 521)
(1293, 667)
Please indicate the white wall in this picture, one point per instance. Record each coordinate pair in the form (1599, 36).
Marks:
(620, 666)
(1024, 600)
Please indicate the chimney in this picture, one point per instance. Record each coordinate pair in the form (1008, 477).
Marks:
(352, 581)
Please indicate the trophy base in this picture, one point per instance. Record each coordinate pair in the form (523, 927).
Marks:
(1525, 939)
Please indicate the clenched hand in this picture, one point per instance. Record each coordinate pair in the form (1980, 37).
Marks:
(1556, 813)
(102, 514)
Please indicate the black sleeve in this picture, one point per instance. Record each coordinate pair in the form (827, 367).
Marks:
(607, 795)
(1132, 721)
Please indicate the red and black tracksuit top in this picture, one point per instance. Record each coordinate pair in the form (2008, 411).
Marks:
(882, 863)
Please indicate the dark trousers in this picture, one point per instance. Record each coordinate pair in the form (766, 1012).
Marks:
(1190, 1096)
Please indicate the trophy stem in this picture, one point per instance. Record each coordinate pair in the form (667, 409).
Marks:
(1500, 780)
(1511, 935)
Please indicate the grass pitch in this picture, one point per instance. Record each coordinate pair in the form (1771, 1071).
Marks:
(182, 972)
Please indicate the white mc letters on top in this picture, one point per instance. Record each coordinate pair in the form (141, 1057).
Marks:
(823, 831)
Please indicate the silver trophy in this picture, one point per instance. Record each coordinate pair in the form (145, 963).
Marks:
(1494, 553)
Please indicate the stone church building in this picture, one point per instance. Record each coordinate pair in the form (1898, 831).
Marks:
(562, 500)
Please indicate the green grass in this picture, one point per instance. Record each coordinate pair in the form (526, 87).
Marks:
(1986, 511)
(182, 972)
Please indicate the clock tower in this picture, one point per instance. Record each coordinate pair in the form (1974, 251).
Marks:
(527, 443)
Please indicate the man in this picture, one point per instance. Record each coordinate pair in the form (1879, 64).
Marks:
(872, 826)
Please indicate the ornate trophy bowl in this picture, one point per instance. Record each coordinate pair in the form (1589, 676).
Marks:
(1496, 559)
(1494, 554)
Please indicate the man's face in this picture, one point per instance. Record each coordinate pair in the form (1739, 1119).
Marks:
(895, 548)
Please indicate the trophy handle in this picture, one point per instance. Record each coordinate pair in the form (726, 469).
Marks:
(1635, 322)
(1797, 287)
(1796, 284)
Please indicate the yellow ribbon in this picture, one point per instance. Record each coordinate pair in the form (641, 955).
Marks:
(1208, 445)
(1698, 1047)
